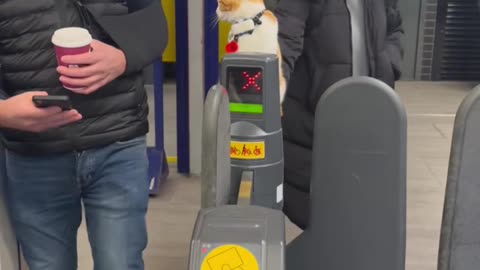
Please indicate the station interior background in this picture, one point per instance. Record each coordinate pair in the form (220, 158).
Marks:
(441, 66)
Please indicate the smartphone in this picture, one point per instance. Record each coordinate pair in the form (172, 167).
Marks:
(51, 101)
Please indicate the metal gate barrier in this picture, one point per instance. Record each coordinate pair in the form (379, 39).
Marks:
(238, 238)
(9, 252)
(216, 180)
(358, 186)
(460, 234)
(242, 148)
(232, 236)
(256, 148)
(358, 190)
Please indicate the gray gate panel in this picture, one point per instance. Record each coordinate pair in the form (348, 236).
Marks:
(8, 244)
(460, 234)
(358, 188)
(216, 181)
(259, 230)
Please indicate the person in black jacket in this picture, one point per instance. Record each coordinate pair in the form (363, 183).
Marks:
(94, 155)
(322, 42)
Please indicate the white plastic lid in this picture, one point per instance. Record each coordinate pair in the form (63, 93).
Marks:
(71, 37)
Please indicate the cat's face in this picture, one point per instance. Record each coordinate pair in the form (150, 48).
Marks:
(233, 9)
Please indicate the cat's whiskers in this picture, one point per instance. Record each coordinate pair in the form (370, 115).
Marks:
(214, 21)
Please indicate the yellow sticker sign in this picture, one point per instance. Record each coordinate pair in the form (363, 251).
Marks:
(247, 150)
(229, 257)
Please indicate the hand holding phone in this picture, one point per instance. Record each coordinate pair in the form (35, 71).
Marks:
(20, 112)
(52, 101)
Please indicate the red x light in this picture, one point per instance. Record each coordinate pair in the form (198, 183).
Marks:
(250, 80)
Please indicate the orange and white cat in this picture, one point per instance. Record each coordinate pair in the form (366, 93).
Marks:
(254, 30)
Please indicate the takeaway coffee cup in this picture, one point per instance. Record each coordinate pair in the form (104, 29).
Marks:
(71, 41)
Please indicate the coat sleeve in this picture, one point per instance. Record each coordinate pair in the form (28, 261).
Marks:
(292, 16)
(141, 35)
(394, 35)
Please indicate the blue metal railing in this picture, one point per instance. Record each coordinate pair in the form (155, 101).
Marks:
(183, 136)
(211, 44)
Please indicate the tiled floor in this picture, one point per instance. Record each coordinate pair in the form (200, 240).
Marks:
(430, 107)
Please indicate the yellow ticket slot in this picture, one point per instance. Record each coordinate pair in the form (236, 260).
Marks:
(245, 190)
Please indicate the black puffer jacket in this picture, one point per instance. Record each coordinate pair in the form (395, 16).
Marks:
(116, 112)
(315, 39)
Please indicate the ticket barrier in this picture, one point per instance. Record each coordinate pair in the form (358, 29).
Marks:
(358, 186)
(216, 149)
(460, 233)
(238, 238)
(256, 147)
(242, 134)
(9, 251)
(358, 193)
(229, 236)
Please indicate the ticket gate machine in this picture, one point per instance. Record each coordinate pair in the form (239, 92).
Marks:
(238, 238)
(256, 148)
(358, 187)
(242, 120)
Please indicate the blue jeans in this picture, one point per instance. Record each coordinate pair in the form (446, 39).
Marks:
(45, 196)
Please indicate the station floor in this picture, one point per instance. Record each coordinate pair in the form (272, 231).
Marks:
(431, 110)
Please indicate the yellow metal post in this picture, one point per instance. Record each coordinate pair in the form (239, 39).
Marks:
(223, 29)
(169, 9)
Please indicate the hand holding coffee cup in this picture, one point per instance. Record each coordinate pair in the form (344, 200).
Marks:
(71, 41)
(89, 71)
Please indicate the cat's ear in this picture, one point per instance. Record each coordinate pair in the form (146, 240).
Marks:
(229, 5)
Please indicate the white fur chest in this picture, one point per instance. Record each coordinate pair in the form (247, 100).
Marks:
(255, 38)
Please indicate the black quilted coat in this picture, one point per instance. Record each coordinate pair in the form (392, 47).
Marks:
(315, 39)
(116, 112)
